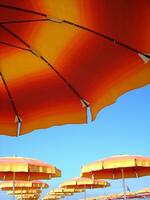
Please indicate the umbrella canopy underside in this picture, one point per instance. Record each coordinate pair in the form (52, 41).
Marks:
(58, 59)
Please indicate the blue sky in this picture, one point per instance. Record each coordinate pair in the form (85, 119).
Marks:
(122, 128)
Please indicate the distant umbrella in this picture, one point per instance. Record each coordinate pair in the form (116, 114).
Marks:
(84, 183)
(118, 167)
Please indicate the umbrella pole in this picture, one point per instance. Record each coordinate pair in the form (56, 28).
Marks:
(123, 184)
(14, 185)
(84, 194)
(21, 193)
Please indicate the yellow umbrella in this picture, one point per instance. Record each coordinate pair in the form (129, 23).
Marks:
(27, 191)
(23, 185)
(54, 196)
(145, 192)
(33, 198)
(19, 168)
(26, 169)
(65, 191)
(116, 167)
(27, 196)
(84, 183)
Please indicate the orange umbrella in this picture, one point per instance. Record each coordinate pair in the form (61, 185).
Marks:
(84, 183)
(27, 196)
(27, 191)
(23, 185)
(79, 54)
(65, 190)
(117, 167)
(51, 198)
(20, 168)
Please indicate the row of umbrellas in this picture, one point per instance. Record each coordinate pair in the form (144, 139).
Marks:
(23, 173)
(115, 167)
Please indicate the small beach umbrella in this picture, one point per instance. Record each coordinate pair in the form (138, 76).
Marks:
(27, 195)
(27, 191)
(80, 54)
(65, 191)
(33, 198)
(23, 185)
(145, 192)
(84, 183)
(118, 167)
(53, 197)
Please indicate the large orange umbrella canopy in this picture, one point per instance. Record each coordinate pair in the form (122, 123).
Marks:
(26, 169)
(23, 185)
(84, 183)
(78, 53)
(111, 168)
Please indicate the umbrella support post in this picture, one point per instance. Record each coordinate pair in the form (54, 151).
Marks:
(123, 184)
(21, 194)
(85, 195)
(14, 185)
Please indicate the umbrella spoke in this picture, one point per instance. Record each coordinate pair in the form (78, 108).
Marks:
(12, 45)
(108, 38)
(22, 9)
(23, 21)
(18, 120)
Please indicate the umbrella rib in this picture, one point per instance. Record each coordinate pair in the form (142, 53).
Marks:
(10, 97)
(8, 44)
(23, 21)
(42, 58)
(12, 103)
(106, 37)
(15, 35)
(22, 9)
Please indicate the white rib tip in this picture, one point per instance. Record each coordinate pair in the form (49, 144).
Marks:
(53, 19)
(85, 103)
(17, 120)
(144, 58)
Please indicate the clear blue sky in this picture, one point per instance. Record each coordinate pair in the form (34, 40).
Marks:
(122, 128)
